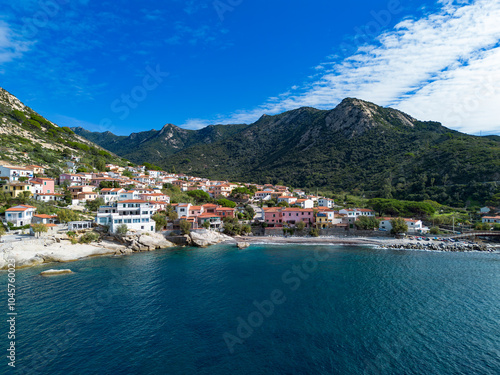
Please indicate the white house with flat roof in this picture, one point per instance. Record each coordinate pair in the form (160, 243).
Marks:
(135, 213)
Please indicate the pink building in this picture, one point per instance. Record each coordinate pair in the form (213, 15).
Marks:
(278, 216)
(47, 184)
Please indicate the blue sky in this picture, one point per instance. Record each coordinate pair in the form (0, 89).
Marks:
(129, 66)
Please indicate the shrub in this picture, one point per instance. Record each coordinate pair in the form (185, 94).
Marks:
(314, 232)
(122, 229)
(89, 237)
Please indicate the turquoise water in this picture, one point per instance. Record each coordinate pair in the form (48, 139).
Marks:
(305, 310)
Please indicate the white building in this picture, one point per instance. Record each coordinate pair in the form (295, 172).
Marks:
(134, 213)
(13, 173)
(111, 194)
(414, 226)
(288, 199)
(353, 214)
(20, 215)
(305, 203)
(491, 219)
(325, 202)
(48, 197)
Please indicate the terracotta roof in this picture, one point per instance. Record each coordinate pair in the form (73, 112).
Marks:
(19, 208)
(133, 201)
(43, 216)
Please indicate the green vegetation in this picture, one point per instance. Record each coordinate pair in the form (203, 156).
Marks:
(122, 229)
(395, 207)
(398, 226)
(38, 229)
(199, 196)
(367, 223)
(444, 166)
(185, 226)
(89, 237)
(160, 220)
(226, 203)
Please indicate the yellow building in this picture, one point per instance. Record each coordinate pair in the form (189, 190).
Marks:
(16, 188)
(322, 221)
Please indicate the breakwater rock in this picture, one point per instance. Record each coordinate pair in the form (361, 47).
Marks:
(143, 242)
(458, 246)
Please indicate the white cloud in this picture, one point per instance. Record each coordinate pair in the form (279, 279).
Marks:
(443, 67)
(11, 47)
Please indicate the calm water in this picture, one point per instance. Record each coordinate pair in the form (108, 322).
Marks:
(335, 310)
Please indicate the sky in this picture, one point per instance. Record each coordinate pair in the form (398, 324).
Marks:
(130, 66)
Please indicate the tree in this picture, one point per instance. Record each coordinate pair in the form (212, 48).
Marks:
(398, 226)
(300, 225)
(367, 223)
(206, 224)
(39, 228)
(65, 216)
(122, 229)
(199, 195)
(68, 197)
(283, 204)
(24, 197)
(314, 232)
(2, 230)
(240, 192)
(185, 226)
(249, 212)
(226, 203)
(171, 213)
(100, 165)
(434, 230)
(94, 205)
(160, 220)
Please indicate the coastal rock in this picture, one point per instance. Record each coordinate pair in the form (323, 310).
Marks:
(242, 245)
(208, 238)
(145, 242)
(55, 272)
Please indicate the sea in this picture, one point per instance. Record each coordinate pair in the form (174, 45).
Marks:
(268, 309)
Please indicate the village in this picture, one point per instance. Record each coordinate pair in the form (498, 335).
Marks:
(136, 199)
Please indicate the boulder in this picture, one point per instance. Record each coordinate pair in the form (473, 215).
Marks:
(208, 238)
(242, 245)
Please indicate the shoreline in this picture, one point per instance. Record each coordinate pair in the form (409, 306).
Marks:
(44, 251)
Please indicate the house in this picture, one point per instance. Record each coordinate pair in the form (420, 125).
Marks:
(13, 173)
(78, 189)
(291, 216)
(353, 214)
(38, 170)
(195, 211)
(20, 215)
(491, 219)
(155, 197)
(288, 199)
(110, 194)
(263, 195)
(70, 179)
(305, 203)
(44, 219)
(84, 197)
(135, 214)
(51, 230)
(80, 225)
(279, 216)
(223, 189)
(126, 195)
(414, 226)
(48, 197)
(47, 184)
(214, 220)
(225, 212)
(322, 220)
(13, 189)
(182, 209)
(326, 202)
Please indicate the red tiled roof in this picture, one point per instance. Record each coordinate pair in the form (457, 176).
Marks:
(133, 201)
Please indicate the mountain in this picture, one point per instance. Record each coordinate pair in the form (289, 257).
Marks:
(357, 146)
(154, 146)
(28, 138)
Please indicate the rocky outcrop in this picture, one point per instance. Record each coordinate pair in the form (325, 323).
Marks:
(144, 241)
(242, 245)
(208, 238)
(55, 272)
